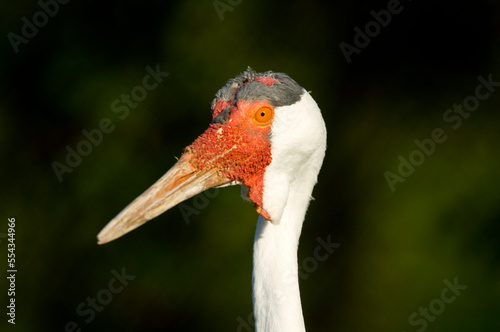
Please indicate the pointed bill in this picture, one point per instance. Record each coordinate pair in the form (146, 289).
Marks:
(181, 182)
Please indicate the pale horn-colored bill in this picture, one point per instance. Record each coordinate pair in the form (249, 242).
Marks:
(181, 182)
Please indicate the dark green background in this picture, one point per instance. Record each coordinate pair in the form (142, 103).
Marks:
(396, 248)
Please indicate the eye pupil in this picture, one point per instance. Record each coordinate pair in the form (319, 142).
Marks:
(263, 116)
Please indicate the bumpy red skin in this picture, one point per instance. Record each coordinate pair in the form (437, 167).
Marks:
(239, 148)
(219, 107)
(267, 80)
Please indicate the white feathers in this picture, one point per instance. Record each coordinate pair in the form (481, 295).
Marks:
(298, 143)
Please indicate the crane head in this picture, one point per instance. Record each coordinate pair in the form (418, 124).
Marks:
(257, 120)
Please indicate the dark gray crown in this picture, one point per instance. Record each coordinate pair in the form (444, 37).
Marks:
(282, 90)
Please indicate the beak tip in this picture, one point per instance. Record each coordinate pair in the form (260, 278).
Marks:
(105, 236)
(101, 240)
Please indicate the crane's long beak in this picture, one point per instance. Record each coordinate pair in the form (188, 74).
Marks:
(181, 182)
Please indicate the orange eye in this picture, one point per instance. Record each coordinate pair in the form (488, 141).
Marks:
(263, 116)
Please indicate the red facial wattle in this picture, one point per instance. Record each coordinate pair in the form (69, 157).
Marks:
(239, 148)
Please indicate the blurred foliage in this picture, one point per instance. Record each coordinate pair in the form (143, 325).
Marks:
(397, 248)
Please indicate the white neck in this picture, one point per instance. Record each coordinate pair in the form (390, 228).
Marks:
(276, 294)
(298, 143)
